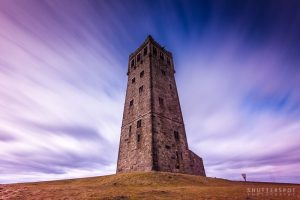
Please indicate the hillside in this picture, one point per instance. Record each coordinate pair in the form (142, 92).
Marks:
(150, 185)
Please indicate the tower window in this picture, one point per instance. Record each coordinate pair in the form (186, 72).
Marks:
(139, 123)
(168, 60)
(145, 51)
(131, 103)
(163, 72)
(133, 80)
(129, 131)
(132, 62)
(141, 89)
(168, 147)
(170, 86)
(138, 57)
(154, 51)
(177, 160)
(162, 56)
(142, 74)
(161, 101)
(176, 136)
(138, 138)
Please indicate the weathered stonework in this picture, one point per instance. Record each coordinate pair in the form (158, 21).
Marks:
(153, 135)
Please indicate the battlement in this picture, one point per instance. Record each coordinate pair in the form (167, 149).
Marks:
(149, 40)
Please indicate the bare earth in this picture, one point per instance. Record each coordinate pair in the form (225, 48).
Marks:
(150, 185)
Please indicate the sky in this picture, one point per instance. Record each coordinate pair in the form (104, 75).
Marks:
(63, 67)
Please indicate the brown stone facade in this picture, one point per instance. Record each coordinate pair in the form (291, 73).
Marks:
(153, 136)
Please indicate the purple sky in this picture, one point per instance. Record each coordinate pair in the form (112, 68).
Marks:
(63, 79)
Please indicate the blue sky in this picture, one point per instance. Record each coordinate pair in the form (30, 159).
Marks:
(63, 79)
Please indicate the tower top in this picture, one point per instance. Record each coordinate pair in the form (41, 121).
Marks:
(150, 39)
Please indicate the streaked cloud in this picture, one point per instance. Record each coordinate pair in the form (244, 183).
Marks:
(63, 79)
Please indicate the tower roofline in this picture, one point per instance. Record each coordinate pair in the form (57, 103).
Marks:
(150, 39)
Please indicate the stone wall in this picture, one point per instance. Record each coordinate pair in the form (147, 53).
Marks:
(153, 134)
(197, 164)
(135, 150)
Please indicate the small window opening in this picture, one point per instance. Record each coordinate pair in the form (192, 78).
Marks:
(163, 72)
(162, 56)
(141, 89)
(132, 63)
(139, 123)
(168, 60)
(145, 51)
(154, 51)
(138, 140)
(131, 103)
(133, 80)
(177, 160)
(168, 147)
(176, 136)
(170, 86)
(161, 101)
(138, 137)
(142, 74)
(138, 57)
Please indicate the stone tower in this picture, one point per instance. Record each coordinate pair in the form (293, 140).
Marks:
(153, 135)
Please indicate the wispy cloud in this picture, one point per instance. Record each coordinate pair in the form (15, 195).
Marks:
(244, 106)
(63, 77)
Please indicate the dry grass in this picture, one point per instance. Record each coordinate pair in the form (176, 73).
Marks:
(150, 185)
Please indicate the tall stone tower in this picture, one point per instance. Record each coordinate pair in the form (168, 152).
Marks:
(153, 135)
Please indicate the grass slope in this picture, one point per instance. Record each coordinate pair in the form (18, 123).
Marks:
(148, 185)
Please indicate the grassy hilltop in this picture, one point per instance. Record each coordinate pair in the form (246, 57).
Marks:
(148, 185)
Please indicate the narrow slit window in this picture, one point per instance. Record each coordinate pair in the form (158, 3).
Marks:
(138, 138)
(145, 51)
(132, 63)
(142, 74)
(133, 80)
(138, 58)
(162, 56)
(131, 103)
(154, 51)
(141, 89)
(176, 136)
(129, 131)
(168, 60)
(163, 72)
(177, 160)
(161, 101)
(139, 123)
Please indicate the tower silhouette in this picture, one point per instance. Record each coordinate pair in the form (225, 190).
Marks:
(153, 135)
